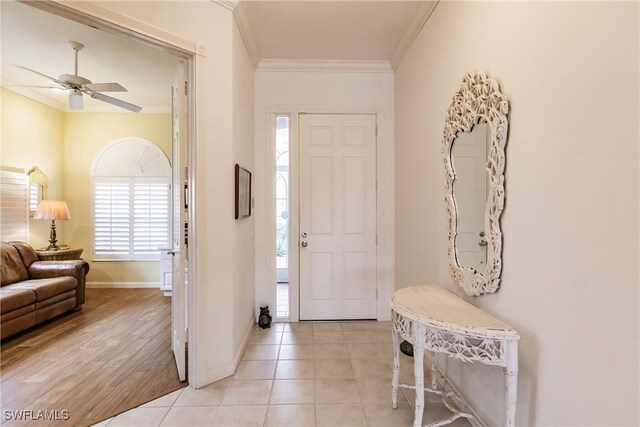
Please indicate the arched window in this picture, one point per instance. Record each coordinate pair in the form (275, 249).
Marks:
(131, 201)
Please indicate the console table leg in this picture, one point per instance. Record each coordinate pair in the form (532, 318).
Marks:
(434, 379)
(511, 382)
(418, 371)
(395, 338)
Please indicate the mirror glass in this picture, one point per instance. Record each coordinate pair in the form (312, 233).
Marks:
(470, 187)
(38, 183)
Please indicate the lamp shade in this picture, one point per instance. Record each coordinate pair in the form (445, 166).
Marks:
(52, 209)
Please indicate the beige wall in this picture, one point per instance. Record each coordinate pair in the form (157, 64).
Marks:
(243, 154)
(33, 135)
(570, 277)
(86, 134)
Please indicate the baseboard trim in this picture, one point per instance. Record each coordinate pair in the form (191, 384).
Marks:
(243, 346)
(125, 285)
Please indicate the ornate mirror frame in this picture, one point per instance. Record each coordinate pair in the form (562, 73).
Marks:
(478, 100)
(39, 179)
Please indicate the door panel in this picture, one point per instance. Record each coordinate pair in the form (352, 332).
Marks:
(179, 250)
(337, 217)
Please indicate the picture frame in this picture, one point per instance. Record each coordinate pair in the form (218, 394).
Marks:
(243, 192)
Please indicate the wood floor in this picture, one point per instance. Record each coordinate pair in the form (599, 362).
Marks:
(113, 355)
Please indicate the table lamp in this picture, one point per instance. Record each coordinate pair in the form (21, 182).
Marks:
(52, 209)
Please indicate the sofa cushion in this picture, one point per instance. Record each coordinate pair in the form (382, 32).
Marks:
(15, 298)
(12, 268)
(27, 253)
(47, 288)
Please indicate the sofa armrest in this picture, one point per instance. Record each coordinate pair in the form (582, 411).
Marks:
(77, 269)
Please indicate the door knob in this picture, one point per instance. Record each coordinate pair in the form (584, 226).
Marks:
(482, 242)
(304, 244)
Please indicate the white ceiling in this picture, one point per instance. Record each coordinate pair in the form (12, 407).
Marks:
(39, 40)
(329, 30)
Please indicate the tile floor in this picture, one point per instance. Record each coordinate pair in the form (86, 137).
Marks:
(299, 374)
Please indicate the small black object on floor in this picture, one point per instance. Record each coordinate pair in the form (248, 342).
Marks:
(264, 321)
(407, 348)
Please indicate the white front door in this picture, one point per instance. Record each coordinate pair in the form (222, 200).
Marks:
(179, 250)
(337, 216)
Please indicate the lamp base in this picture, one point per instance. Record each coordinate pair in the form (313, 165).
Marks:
(53, 239)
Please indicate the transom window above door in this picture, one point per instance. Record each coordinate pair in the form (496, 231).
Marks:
(131, 201)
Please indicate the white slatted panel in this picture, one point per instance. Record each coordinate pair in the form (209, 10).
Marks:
(150, 216)
(112, 218)
(131, 217)
(14, 214)
(34, 196)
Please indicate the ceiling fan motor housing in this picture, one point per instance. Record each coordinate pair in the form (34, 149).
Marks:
(74, 80)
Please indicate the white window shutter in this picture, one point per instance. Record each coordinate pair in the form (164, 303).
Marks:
(150, 216)
(14, 208)
(112, 218)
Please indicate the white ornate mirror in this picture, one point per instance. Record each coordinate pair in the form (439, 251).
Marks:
(475, 135)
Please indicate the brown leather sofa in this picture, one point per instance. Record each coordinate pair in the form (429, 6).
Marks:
(32, 291)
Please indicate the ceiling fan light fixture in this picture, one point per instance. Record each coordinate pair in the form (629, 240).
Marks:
(75, 100)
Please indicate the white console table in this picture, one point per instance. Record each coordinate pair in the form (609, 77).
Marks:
(433, 319)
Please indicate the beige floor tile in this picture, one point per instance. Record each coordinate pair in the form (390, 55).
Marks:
(347, 415)
(365, 351)
(377, 390)
(357, 326)
(359, 337)
(383, 337)
(190, 416)
(383, 415)
(278, 326)
(330, 351)
(387, 350)
(296, 351)
(210, 395)
(337, 391)
(140, 417)
(371, 368)
(286, 392)
(326, 327)
(247, 392)
(328, 337)
(261, 352)
(166, 400)
(297, 338)
(382, 326)
(333, 368)
(256, 370)
(291, 415)
(294, 369)
(240, 416)
(271, 337)
(102, 423)
(298, 327)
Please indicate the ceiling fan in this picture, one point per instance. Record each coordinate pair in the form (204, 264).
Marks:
(78, 85)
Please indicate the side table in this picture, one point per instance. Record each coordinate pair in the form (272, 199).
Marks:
(63, 254)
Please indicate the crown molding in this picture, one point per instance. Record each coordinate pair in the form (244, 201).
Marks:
(227, 4)
(242, 22)
(274, 65)
(412, 31)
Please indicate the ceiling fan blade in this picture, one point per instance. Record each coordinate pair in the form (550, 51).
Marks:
(38, 87)
(116, 102)
(40, 74)
(105, 87)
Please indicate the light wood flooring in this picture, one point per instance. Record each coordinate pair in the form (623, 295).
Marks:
(110, 357)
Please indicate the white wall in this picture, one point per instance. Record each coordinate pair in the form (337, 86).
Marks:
(210, 26)
(291, 91)
(243, 154)
(570, 278)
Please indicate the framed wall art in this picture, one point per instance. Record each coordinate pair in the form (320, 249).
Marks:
(243, 192)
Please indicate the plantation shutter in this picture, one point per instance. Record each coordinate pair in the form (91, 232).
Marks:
(14, 213)
(150, 216)
(132, 204)
(112, 218)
